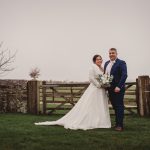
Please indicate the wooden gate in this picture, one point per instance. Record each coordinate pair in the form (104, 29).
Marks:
(47, 98)
(60, 96)
(57, 97)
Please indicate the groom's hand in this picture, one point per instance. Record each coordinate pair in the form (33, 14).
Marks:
(117, 90)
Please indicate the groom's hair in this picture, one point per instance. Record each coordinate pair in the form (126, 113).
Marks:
(113, 49)
(95, 56)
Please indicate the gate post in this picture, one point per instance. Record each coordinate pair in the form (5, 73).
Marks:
(33, 97)
(137, 96)
(144, 95)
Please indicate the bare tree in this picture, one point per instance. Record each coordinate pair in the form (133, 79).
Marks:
(6, 59)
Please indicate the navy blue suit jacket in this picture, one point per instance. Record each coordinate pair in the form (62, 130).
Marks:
(119, 72)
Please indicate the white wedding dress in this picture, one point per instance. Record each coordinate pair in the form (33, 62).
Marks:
(91, 111)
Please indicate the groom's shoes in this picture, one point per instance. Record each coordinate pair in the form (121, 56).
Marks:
(119, 128)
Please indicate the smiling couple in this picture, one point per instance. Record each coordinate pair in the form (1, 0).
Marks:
(92, 110)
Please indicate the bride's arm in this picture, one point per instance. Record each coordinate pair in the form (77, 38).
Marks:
(92, 78)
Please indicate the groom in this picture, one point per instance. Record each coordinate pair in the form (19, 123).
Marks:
(118, 69)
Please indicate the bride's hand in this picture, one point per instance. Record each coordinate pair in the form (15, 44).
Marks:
(105, 86)
(99, 86)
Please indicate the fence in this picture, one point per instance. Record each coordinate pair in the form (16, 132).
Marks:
(38, 97)
(59, 98)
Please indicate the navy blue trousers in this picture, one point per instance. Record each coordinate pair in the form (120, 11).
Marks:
(116, 100)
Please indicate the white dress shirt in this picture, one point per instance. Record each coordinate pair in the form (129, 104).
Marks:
(109, 66)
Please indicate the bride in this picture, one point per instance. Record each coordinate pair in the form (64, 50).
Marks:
(91, 111)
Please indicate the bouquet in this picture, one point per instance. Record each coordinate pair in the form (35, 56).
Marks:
(105, 80)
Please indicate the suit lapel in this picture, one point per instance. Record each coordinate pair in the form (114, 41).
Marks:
(113, 67)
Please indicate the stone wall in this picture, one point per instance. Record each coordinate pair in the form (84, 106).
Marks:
(13, 96)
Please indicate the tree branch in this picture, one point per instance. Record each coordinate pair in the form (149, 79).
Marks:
(6, 59)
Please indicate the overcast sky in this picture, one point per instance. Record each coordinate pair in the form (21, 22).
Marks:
(60, 37)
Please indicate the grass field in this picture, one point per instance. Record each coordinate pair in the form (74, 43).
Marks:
(18, 132)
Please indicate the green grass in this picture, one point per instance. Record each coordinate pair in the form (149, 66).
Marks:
(18, 132)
